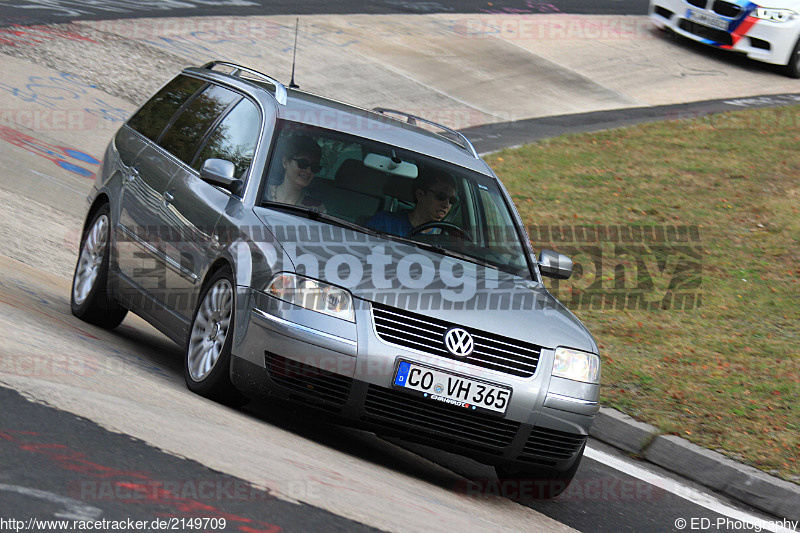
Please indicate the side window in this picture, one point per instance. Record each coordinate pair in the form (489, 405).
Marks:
(154, 116)
(500, 232)
(234, 139)
(184, 135)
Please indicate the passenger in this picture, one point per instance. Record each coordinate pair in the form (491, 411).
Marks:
(435, 194)
(300, 165)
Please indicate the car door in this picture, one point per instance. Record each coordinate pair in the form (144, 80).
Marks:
(197, 206)
(146, 172)
(169, 275)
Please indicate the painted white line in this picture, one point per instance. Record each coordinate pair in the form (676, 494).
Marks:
(58, 182)
(695, 496)
(73, 509)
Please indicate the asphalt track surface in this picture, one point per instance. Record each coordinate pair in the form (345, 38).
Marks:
(51, 449)
(494, 137)
(116, 478)
(52, 11)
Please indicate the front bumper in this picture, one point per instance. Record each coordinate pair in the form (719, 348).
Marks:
(345, 370)
(761, 40)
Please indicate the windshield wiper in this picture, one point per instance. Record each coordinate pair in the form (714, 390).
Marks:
(316, 214)
(441, 250)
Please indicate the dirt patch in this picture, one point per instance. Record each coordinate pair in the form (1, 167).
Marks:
(39, 235)
(112, 63)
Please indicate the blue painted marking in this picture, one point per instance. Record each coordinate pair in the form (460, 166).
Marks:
(74, 168)
(402, 374)
(81, 156)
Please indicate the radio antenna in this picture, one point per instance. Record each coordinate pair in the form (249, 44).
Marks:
(292, 84)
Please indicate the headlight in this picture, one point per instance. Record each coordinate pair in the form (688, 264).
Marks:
(775, 15)
(312, 294)
(576, 365)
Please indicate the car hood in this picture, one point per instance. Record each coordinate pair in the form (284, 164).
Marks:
(397, 274)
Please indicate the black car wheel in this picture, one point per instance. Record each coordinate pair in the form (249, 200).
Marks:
(91, 300)
(208, 352)
(792, 68)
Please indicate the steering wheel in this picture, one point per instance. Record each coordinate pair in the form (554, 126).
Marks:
(447, 227)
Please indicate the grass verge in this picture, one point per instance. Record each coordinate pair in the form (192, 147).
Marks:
(686, 238)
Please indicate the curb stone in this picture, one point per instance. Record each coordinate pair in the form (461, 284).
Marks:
(621, 431)
(709, 468)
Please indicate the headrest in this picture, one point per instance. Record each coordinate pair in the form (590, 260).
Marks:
(400, 188)
(354, 176)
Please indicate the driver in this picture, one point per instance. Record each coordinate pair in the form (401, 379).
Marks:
(435, 194)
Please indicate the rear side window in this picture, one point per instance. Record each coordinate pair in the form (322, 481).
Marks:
(154, 116)
(184, 135)
(234, 139)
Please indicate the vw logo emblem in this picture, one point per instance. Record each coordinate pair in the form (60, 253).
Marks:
(459, 342)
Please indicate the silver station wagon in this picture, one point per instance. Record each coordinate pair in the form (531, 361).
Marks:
(366, 263)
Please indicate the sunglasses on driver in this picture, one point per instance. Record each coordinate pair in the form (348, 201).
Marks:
(303, 163)
(442, 197)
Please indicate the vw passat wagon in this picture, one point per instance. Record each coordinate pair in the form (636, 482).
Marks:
(367, 263)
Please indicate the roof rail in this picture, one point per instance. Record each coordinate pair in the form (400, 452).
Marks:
(460, 140)
(280, 89)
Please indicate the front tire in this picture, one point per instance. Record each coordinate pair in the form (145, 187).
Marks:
(792, 68)
(208, 353)
(547, 482)
(91, 301)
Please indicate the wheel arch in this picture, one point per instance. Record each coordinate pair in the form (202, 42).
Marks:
(100, 200)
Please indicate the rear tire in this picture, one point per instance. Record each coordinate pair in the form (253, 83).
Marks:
(207, 360)
(91, 301)
(546, 483)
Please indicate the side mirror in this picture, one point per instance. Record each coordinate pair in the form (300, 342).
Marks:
(554, 265)
(220, 172)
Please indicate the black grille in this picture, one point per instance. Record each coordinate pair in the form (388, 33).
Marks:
(550, 444)
(457, 425)
(719, 36)
(309, 380)
(726, 9)
(759, 43)
(698, 3)
(426, 334)
(664, 12)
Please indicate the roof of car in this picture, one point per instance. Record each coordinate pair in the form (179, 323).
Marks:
(323, 112)
(307, 108)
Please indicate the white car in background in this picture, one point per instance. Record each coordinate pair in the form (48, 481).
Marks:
(767, 33)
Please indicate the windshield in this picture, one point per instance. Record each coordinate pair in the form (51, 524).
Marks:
(383, 190)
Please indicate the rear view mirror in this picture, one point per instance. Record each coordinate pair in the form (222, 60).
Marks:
(554, 265)
(391, 165)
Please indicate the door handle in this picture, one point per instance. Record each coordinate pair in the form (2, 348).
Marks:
(133, 174)
(169, 197)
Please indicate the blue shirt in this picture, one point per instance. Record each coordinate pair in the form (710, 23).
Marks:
(395, 223)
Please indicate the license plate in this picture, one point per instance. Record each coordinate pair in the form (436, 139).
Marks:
(452, 389)
(708, 20)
